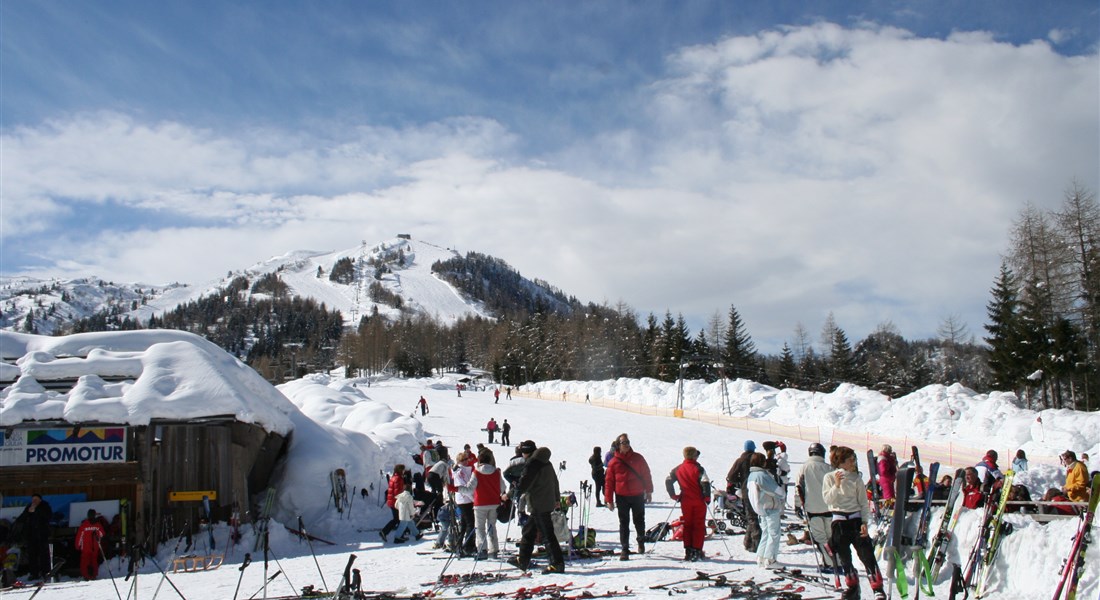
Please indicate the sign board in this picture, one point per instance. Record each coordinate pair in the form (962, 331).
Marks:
(78, 511)
(192, 496)
(62, 446)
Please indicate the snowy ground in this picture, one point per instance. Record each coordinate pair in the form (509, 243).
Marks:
(1026, 568)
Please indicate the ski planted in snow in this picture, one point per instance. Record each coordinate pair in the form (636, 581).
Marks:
(937, 554)
(995, 530)
(1075, 562)
(896, 539)
(339, 490)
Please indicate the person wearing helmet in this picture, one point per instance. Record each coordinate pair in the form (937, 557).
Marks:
(810, 504)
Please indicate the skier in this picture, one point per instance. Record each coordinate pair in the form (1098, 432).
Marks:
(808, 501)
(35, 523)
(464, 501)
(887, 472)
(972, 489)
(485, 487)
(508, 392)
(988, 464)
(422, 404)
(458, 388)
(496, 396)
(491, 427)
(736, 480)
(88, 538)
(539, 483)
(1077, 478)
(846, 496)
(693, 498)
(395, 487)
(1019, 464)
(439, 475)
(767, 499)
(505, 434)
(628, 478)
(596, 461)
(406, 513)
(514, 471)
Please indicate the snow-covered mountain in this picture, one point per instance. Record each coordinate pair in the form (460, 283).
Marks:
(392, 278)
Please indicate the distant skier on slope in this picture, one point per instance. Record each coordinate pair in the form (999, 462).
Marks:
(422, 404)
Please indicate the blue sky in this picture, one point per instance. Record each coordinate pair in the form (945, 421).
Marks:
(792, 159)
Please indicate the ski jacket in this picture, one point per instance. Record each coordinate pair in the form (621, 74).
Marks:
(693, 481)
(764, 491)
(627, 475)
(738, 474)
(846, 497)
(1019, 465)
(810, 478)
(88, 536)
(972, 495)
(782, 466)
(36, 523)
(491, 425)
(988, 465)
(1077, 482)
(406, 508)
(540, 483)
(887, 474)
(485, 485)
(462, 475)
(597, 466)
(441, 469)
(395, 487)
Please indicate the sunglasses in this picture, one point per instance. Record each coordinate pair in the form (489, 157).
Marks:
(624, 442)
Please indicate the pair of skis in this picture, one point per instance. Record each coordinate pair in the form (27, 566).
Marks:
(1075, 562)
(339, 495)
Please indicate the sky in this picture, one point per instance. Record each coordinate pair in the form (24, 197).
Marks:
(367, 427)
(865, 159)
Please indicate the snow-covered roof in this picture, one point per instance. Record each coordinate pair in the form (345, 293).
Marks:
(133, 377)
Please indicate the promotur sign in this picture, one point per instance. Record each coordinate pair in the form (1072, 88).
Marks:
(22, 447)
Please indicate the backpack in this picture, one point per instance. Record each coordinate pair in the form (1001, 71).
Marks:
(656, 533)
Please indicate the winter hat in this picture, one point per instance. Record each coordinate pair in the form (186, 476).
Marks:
(527, 447)
(817, 449)
(690, 452)
(750, 446)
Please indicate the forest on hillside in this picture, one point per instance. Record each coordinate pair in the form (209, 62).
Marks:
(1041, 339)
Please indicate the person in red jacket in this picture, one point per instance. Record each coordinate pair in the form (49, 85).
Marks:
(972, 489)
(693, 498)
(88, 538)
(887, 471)
(628, 483)
(395, 487)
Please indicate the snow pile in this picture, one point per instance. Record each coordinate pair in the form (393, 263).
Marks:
(165, 374)
(936, 413)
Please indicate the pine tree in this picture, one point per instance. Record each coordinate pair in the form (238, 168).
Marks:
(788, 370)
(1005, 363)
(740, 351)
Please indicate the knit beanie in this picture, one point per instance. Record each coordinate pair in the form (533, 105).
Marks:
(750, 446)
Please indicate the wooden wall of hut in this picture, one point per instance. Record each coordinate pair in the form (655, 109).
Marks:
(231, 458)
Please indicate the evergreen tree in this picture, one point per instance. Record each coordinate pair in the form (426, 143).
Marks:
(1005, 357)
(740, 351)
(788, 370)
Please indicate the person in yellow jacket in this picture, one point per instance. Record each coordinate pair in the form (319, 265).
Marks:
(1077, 478)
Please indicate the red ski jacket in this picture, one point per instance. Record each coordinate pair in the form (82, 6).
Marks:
(624, 480)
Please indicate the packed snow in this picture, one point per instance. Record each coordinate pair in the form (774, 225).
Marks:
(367, 426)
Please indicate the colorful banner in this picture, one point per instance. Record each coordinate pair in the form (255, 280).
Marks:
(62, 446)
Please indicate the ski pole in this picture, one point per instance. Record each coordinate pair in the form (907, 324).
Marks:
(247, 559)
(107, 563)
(164, 573)
(264, 586)
(660, 538)
(302, 528)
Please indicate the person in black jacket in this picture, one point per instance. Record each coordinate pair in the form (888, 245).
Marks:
(596, 461)
(35, 524)
(737, 480)
(539, 482)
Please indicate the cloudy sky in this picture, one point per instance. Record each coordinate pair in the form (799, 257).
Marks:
(860, 158)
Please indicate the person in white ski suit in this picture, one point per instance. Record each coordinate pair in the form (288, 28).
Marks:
(768, 500)
(808, 501)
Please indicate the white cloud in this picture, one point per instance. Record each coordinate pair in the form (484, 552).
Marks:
(798, 171)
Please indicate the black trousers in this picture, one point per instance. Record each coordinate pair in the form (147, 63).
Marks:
(536, 524)
(845, 536)
(394, 522)
(630, 508)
